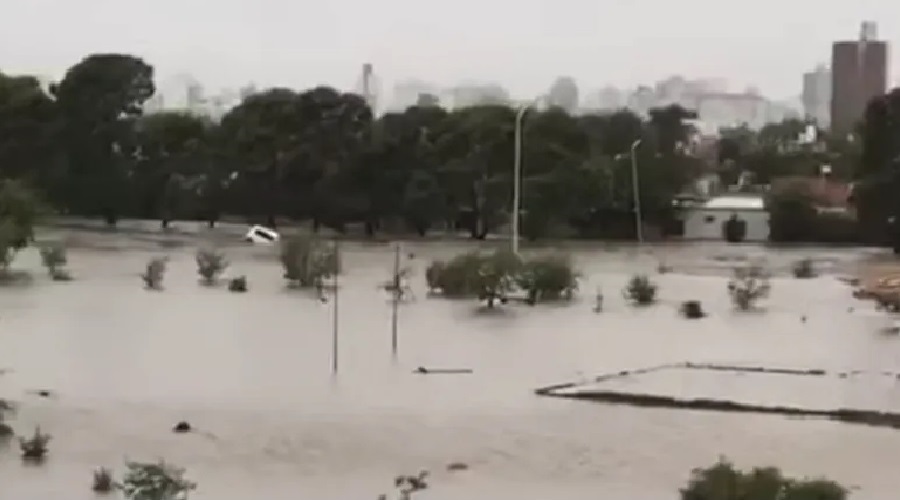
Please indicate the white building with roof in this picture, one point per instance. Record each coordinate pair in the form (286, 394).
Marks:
(707, 221)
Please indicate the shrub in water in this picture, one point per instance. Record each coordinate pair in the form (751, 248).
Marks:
(155, 272)
(210, 265)
(155, 481)
(103, 481)
(489, 278)
(308, 262)
(35, 447)
(55, 257)
(691, 309)
(640, 291)
(804, 268)
(5, 430)
(722, 481)
(238, 284)
(748, 285)
(547, 278)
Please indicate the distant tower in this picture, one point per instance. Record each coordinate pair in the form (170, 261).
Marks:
(368, 86)
(858, 74)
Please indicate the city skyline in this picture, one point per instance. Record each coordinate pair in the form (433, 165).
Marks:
(229, 43)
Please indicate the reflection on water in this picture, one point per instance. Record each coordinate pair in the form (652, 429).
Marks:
(252, 372)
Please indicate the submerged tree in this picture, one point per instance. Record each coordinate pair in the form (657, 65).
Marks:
(155, 272)
(155, 481)
(748, 285)
(211, 264)
(55, 257)
(489, 278)
(548, 278)
(640, 291)
(308, 262)
(35, 448)
(723, 481)
(20, 209)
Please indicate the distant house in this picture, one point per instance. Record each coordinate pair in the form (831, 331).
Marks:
(707, 221)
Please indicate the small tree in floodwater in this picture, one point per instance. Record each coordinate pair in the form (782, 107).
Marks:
(722, 481)
(548, 278)
(640, 290)
(55, 257)
(748, 285)
(488, 278)
(308, 262)
(211, 264)
(155, 481)
(804, 269)
(155, 272)
(103, 481)
(35, 448)
(20, 209)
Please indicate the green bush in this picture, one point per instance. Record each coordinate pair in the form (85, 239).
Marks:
(804, 268)
(155, 481)
(722, 481)
(548, 278)
(748, 285)
(103, 481)
(238, 284)
(490, 278)
(210, 265)
(640, 291)
(308, 262)
(35, 447)
(154, 273)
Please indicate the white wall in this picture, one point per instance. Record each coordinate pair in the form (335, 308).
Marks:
(706, 224)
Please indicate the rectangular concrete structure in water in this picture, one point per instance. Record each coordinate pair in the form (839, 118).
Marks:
(853, 396)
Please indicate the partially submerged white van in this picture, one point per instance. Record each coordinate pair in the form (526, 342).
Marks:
(262, 234)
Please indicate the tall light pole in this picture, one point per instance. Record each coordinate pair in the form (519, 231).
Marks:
(517, 177)
(517, 172)
(635, 183)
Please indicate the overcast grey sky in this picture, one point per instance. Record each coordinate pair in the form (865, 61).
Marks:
(522, 44)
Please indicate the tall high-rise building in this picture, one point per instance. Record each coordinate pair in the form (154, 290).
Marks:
(858, 73)
(817, 96)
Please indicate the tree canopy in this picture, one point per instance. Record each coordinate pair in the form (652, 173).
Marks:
(321, 155)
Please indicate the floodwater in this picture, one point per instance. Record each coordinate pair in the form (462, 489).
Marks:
(252, 372)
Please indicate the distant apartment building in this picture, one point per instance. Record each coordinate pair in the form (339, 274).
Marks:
(858, 73)
(817, 96)
(726, 110)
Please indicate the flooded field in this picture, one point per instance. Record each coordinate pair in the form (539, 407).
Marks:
(252, 372)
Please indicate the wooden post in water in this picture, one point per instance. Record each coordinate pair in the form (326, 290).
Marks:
(334, 310)
(395, 302)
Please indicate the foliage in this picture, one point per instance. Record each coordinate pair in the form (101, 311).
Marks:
(722, 481)
(691, 309)
(35, 447)
(55, 257)
(804, 268)
(749, 284)
(488, 277)
(308, 261)
(103, 481)
(211, 264)
(640, 291)
(547, 278)
(155, 272)
(320, 155)
(155, 481)
(237, 284)
(20, 210)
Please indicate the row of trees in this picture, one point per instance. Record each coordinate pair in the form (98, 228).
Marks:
(321, 156)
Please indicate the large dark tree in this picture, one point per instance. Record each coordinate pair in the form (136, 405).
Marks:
(99, 99)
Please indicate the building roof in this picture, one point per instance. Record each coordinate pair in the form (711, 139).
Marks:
(736, 202)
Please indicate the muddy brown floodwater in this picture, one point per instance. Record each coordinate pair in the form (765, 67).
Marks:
(251, 373)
